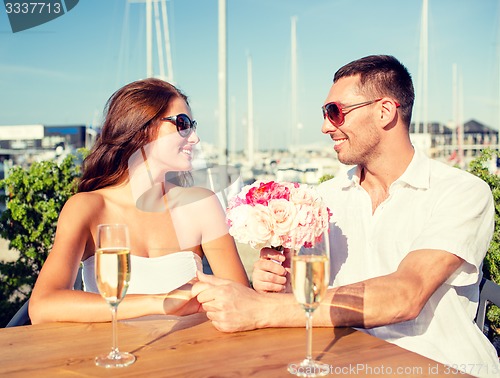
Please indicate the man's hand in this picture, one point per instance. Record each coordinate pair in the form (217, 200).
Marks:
(271, 273)
(229, 305)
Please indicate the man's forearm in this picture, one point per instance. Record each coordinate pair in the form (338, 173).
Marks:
(341, 307)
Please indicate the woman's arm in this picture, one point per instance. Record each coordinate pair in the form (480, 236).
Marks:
(53, 297)
(218, 246)
(224, 259)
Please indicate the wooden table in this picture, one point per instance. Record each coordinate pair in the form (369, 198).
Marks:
(192, 347)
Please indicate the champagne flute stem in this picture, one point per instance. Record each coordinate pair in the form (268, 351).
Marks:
(309, 315)
(114, 349)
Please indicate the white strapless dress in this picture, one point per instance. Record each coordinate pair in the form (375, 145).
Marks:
(151, 275)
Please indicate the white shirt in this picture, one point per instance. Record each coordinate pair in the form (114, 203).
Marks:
(431, 206)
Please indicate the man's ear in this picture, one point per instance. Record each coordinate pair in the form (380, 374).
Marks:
(388, 112)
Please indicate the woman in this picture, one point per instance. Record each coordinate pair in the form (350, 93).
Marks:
(138, 173)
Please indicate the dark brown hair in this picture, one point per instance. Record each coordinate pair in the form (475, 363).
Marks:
(383, 75)
(132, 120)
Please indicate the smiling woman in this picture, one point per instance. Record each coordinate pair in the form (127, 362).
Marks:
(138, 173)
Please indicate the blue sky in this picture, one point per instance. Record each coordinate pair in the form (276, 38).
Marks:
(62, 72)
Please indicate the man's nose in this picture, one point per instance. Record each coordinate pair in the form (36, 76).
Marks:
(327, 126)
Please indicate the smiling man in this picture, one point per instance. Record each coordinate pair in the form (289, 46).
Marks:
(408, 234)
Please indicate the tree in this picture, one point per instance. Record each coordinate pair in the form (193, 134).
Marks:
(491, 263)
(325, 177)
(34, 197)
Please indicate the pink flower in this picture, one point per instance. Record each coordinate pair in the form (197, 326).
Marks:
(265, 192)
(272, 214)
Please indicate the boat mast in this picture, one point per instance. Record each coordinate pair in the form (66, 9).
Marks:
(223, 137)
(149, 38)
(159, 46)
(421, 112)
(294, 82)
(498, 62)
(250, 135)
(425, 64)
(458, 131)
(168, 51)
(153, 9)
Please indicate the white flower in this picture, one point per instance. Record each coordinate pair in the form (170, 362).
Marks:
(272, 214)
(259, 226)
(284, 215)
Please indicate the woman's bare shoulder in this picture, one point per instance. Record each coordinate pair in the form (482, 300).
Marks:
(87, 197)
(84, 203)
(78, 216)
(193, 195)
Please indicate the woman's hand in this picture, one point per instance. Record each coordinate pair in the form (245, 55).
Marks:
(271, 273)
(180, 301)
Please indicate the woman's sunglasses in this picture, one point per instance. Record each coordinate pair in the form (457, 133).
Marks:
(183, 124)
(336, 112)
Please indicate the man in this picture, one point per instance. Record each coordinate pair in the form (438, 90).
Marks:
(408, 234)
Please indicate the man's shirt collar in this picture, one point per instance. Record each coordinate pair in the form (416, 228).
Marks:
(416, 175)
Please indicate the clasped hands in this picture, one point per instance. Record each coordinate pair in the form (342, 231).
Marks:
(234, 307)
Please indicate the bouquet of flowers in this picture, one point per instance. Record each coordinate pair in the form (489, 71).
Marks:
(273, 214)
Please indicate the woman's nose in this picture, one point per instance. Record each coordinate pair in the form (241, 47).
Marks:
(194, 138)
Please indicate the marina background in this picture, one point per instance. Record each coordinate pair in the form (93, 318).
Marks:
(62, 72)
(281, 57)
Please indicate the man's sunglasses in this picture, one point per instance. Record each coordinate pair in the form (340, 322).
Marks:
(183, 124)
(336, 112)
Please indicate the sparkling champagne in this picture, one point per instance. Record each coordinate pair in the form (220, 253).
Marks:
(112, 270)
(310, 279)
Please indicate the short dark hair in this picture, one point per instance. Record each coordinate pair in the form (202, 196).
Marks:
(383, 75)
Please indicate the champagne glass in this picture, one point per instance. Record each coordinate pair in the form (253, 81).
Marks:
(310, 279)
(112, 273)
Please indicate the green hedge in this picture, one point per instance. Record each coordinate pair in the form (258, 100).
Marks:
(34, 197)
(491, 265)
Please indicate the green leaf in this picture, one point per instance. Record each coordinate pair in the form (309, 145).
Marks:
(491, 263)
(34, 197)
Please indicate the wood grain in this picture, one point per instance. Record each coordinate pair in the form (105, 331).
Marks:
(191, 347)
